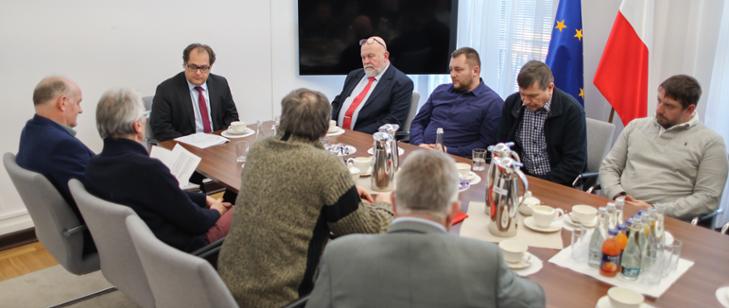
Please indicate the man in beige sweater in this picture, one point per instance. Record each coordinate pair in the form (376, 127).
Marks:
(671, 162)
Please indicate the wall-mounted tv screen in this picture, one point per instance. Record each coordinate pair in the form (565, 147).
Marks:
(420, 34)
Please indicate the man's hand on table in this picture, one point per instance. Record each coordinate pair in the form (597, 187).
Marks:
(364, 195)
(431, 146)
(639, 204)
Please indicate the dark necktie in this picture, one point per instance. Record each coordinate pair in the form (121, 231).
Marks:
(203, 109)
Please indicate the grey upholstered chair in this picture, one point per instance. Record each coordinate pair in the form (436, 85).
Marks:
(404, 133)
(599, 141)
(177, 279)
(56, 225)
(120, 263)
(149, 135)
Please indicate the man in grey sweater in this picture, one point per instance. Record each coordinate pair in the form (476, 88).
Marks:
(671, 162)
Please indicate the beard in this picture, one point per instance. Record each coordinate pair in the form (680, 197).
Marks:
(663, 121)
(371, 71)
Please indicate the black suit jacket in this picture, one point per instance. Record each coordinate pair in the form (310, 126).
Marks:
(389, 102)
(564, 131)
(125, 174)
(172, 113)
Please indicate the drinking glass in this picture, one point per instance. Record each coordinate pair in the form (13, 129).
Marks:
(675, 254)
(579, 243)
(241, 151)
(479, 159)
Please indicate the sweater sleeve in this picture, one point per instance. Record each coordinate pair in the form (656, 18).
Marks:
(614, 163)
(709, 184)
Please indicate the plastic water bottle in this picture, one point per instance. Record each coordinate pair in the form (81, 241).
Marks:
(439, 139)
(598, 237)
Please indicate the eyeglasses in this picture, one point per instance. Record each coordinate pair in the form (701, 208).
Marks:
(195, 68)
(372, 40)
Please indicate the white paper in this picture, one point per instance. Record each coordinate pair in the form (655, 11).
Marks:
(202, 140)
(180, 161)
(564, 259)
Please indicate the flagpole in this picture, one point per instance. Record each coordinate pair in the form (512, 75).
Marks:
(612, 114)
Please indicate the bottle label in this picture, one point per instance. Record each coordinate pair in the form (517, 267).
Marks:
(610, 264)
(631, 272)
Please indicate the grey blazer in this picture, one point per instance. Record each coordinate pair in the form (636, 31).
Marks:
(418, 265)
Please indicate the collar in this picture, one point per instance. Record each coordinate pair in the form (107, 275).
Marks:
(192, 86)
(122, 145)
(46, 121)
(415, 224)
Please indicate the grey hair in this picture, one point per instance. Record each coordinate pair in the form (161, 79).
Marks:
(117, 111)
(534, 71)
(305, 113)
(427, 182)
(50, 88)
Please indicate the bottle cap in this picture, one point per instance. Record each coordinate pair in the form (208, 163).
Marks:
(613, 232)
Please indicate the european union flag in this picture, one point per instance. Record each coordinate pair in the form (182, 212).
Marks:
(564, 56)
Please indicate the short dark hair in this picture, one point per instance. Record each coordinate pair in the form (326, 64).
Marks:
(49, 88)
(193, 46)
(305, 113)
(470, 53)
(683, 88)
(534, 71)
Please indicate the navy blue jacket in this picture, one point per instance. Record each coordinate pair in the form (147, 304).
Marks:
(125, 174)
(389, 102)
(564, 131)
(50, 149)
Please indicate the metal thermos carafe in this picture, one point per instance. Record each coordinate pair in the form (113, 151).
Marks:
(502, 189)
(391, 129)
(384, 168)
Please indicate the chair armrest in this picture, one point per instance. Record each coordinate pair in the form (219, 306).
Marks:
(582, 177)
(299, 303)
(210, 252)
(73, 230)
(725, 228)
(702, 218)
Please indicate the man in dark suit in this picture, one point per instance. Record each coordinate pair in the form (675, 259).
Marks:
(374, 95)
(547, 126)
(47, 143)
(124, 173)
(194, 100)
(418, 263)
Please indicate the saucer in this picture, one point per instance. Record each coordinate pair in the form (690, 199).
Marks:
(341, 149)
(604, 302)
(400, 151)
(722, 295)
(227, 134)
(473, 178)
(366, 173)
(568, 218)
(529, 222)
(335, 132)
(524, 263)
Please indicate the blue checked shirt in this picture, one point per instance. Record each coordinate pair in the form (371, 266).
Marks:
(533, 143)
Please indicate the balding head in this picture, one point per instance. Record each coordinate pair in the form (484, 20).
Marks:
(374, 55)
(58, 99)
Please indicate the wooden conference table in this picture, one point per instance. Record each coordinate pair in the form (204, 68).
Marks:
(563, 287)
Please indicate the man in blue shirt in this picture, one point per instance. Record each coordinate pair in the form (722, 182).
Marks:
(468, 111)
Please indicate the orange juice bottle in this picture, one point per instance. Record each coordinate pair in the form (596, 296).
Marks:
(621, 238)
(610, 263)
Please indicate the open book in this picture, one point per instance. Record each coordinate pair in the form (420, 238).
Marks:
(180, 161)
(202, 140)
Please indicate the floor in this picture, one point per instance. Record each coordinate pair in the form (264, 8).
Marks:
(24, 259)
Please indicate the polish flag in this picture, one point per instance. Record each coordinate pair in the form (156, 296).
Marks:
(622, 75)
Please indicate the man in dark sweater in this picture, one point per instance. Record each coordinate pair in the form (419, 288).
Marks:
(546, 125)
(124, 173)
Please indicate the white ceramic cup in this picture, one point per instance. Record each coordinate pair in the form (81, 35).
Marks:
(545, 215)
(584, 214)
(513, 250)
(332, 125)
(237, 127)
(354, 172)
(624, 298)
(363, 163)
(464, 170)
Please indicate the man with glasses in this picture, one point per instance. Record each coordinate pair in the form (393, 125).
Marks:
(547, 126)
(194, 100)
(374, 95)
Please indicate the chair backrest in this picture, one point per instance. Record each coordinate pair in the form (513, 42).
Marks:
(120, 263)
(177, 279)
(149, 135)
(599, 141)
(413, 110)
(56, 225)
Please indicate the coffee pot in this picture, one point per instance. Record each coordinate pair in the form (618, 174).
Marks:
(391, 129)
(385, 161)
(502, 189)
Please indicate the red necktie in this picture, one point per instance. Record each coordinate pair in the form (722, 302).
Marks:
(347, 124)
(203, 109)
